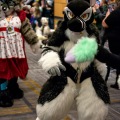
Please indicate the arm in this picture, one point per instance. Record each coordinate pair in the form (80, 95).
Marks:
(87, 49)
(58, 37)
(98, 14)
(103, 22)
(28, 33)
(50, 59)
(107, 57)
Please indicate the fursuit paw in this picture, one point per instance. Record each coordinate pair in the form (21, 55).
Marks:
(84, 50)
(51, 63)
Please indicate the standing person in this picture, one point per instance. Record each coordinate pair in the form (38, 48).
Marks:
(37, 12)
(35, 17)
(98, 15)
(48, 11)
(112, 25)
(103, 8)
(99, 10)
(14, 27)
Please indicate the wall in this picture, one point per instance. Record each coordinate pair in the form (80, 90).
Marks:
(58, 9)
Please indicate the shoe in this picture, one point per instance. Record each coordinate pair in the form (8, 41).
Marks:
(15, 91)
(6, 99)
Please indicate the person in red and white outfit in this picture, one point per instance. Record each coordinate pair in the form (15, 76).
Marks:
(14, 30)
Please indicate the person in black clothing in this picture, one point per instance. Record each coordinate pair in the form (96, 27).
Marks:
(48, 11)
(112, 24)
(99, 14)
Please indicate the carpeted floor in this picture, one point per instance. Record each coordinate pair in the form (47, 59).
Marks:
(24, 109)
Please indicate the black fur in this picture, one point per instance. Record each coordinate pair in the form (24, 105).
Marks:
(88, 72)
(98, 83)
(70, 71)
(52, 88)
(100, 86)
(92, 30)
(78, 6)
(58, 37)
(110, 59)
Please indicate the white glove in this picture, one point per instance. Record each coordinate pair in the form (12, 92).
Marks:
(51, 63)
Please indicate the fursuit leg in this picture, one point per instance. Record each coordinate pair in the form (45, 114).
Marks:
(89, 105)
(56, 98)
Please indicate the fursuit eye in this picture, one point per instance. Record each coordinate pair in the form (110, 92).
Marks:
(70, 15)
(85, 16)
(4, 7)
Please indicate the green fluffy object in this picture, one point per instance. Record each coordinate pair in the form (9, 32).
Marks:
(85, 49)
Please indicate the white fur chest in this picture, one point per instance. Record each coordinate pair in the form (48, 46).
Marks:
(74, 36)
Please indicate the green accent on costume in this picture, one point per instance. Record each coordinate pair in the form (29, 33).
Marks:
(3, 86)
(85, 49)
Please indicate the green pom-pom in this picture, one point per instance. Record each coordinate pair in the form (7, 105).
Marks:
(85, 49)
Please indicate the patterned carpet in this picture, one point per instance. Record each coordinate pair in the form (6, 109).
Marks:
(24, 109)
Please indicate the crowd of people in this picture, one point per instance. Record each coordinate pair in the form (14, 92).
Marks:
(36, 9)
(107, 17)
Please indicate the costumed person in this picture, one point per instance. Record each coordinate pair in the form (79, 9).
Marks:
(82, 83)
(14, 30)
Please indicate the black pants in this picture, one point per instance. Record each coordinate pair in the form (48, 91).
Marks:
(11, 82)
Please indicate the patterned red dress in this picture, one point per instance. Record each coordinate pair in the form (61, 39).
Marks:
(13, 62)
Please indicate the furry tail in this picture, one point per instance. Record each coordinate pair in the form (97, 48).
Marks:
(84, 50)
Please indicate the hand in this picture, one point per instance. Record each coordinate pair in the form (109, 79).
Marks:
(51, 63)
(54, 71)
(96, 6)
(94, 10)
(36, 46)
